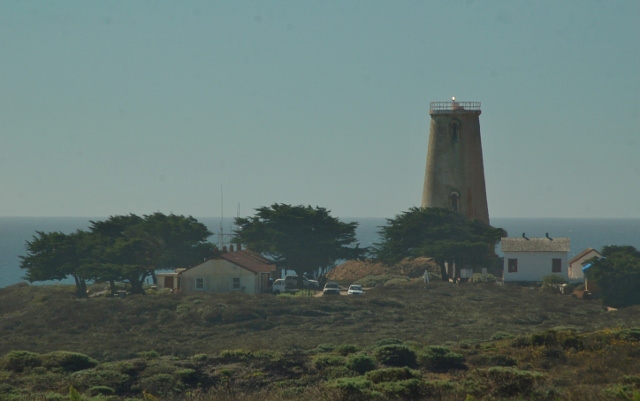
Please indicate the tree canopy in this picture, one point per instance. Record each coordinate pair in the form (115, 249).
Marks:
(617, 274)
(442, 234)
(55, 256)
(126, 248)
(306, 238)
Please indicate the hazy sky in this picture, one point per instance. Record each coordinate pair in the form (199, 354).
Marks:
(112, 107)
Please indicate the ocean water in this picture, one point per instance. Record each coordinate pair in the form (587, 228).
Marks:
(584, 233)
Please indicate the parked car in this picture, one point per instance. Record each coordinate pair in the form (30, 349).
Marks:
(355, 289)
(292, 281)
(331, 288)
(280, 286)
(310, 283)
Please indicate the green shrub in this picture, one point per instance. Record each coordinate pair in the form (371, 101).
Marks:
(395, 355)
(159, 366)
(551, 282)
(361, 363)
(492, 360)
(86, 379)
(336, 372)
(570, 340)
(502, 360)
(437, 388)
(68, 361)
(200, 357)
(553, 279)
(510, 382)
(129, 368)
(500, 335)
(391, 375)
(389, 341)
(441, 359)
(355, 388)
(17, 361)
(568, 289)
(187, 375)
(325, 347)
(397, 282)
(346, 349)
(378, 280)
(236, 355)
(546, 338)
(323, 360)
(148, 354)
(631, 335)
(521, 342)
(554, 353)
(404, 389)
(101, 390)
(162, 384)
(482, 278)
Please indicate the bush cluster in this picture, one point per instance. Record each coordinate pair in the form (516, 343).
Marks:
(395, 355)
(441, 359)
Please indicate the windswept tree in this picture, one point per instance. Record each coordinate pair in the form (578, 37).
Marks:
(617, 274)
(125, 248)
(308, 239)
(132, 248)
(56, 256)
(441, 234)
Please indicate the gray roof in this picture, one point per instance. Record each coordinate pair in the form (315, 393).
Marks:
(535, 244)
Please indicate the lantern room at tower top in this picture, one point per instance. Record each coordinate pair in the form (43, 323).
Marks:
(453, 106)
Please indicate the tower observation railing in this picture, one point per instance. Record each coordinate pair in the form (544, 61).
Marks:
(453, 105)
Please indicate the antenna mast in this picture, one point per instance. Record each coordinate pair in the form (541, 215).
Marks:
(221, 233)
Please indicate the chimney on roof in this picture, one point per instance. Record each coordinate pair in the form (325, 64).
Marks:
(224, 249)
(230, 247)
(239, 247)
(524, 236)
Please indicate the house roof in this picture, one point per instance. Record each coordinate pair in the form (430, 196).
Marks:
(249, 260)
(535, 244)
(583, 254)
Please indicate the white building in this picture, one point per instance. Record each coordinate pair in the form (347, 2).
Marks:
(531, 259)
(242, 271)
(576, 274)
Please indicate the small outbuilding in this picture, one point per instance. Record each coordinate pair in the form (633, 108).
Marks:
(576, 274)
(242, 271)
(531, 259)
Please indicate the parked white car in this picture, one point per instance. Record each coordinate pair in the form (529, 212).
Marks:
(355, 289)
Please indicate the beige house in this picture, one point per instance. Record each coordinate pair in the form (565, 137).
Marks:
(576, 274)
(243, 271)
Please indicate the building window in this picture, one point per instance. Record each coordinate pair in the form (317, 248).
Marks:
(454, 200)
(236, 283)
(512, 266)
(454, 129)
(556, 265)
(199, 283)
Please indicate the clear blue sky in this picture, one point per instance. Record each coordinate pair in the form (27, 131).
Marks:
(112, 107)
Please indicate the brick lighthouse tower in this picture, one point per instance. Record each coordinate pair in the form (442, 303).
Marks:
(454, 177)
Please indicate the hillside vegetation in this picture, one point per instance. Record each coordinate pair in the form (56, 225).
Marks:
(484, 341)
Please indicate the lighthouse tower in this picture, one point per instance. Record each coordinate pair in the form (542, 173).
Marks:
(454, 177)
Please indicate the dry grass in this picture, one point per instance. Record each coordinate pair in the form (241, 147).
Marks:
(592, 350)
(42, 318)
